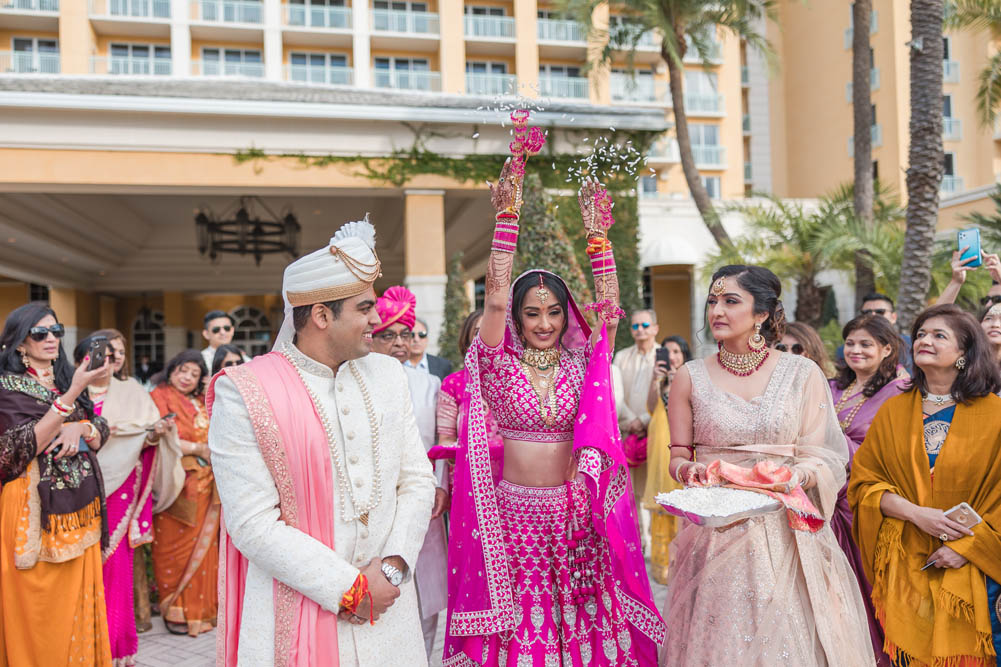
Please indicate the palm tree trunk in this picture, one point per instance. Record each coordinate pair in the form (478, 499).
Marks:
(924, 173)
(809, 301)
(865, 279)
(695, 185)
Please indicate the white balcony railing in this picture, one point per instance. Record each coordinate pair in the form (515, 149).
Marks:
(696, 103)
(30, 5)
(951, 185)
(709, 157)
(873, 27)
(156, 9)
(875, 136)
(489, 26)
(391, 20)
(692, 55)
(665, 151)
(323, 75)
(407, 80)
(130, 66)
(230, 11)
(225, 69)
(569, 87)
(642, 89)
(25, 62)
(317, 16)
(561, 30)
(950, 71)
(952, 129)
(482, 83)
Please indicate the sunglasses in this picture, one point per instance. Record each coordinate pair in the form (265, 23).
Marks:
(38, 334)
(795, 349)
(227, 364)
(637, 325)
(389, 336)
(996, 298)
(227, 328)
(422, 334)
(875, 311)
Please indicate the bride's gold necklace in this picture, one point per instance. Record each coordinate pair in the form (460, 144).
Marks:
(544, 385)
(541, 360)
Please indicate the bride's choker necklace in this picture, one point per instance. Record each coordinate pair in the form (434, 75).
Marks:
(541, 360)
(742, 365)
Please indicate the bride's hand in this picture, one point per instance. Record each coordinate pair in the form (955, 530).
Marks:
(585, 199)
(504, 192)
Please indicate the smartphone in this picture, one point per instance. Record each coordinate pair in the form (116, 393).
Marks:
(969, 238)
(964, 514)
(663, 354)
(169, 415)
(82, 448)
(98, 352)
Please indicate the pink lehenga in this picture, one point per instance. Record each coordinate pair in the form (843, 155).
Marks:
(760, 592)
(547, 576)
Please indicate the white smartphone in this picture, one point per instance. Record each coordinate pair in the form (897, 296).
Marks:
(964, 514)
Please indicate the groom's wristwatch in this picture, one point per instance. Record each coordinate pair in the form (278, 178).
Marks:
(393, 574)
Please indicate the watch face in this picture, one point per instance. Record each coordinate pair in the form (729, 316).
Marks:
(396, 579)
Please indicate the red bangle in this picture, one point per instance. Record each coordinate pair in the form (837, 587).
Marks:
(355, 595)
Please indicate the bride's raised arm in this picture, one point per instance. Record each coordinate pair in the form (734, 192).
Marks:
(596, 212)
(504, 197)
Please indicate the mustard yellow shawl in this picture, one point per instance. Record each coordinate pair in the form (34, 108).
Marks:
(938, 617)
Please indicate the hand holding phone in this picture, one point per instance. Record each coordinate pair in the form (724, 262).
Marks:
(98, 352)
(968, 244)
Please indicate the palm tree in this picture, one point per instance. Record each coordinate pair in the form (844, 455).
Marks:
(865, 279)
(982, 15)
(682, 25)
(925, 157)
(990, 225)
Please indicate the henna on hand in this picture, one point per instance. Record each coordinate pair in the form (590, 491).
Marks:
(503, 194)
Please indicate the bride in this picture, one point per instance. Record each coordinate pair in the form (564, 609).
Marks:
(775, 589)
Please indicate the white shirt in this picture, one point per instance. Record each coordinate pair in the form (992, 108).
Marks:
(637, 374)
(422, 365)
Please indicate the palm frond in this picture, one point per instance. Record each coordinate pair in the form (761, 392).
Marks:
(975, 14)
(989, 90)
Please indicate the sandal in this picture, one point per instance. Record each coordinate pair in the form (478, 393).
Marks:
(176, 628)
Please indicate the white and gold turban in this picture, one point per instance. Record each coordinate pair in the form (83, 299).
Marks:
(344, 268)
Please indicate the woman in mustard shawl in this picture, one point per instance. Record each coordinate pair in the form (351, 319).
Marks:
(928, 450)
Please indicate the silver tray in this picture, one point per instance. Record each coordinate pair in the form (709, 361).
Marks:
(721, 521)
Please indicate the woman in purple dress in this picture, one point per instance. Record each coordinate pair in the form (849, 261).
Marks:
(869, 376)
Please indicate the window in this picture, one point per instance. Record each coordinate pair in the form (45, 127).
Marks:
(648, 186)
(139, 59)
(700, 83)
(36, 55)
(318, 67)
(253, 330)
(712, 184)
(874, 121)
(38, 292)
(703, 134)
(949, 164)
(232, 62)
(647, 287)
(405, 73)
(947, 106)
(400, 5)
(147, 337)
(486, 68)
(875, 170)
(484, 11)
(559, 70)
(946, 48)
(318, 12)
(479, 293)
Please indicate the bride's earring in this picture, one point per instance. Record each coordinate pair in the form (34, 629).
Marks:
(757, 341)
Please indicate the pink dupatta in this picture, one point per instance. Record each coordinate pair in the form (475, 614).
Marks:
(295, 449)
(481, 601)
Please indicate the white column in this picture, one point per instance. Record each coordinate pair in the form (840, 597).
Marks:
(70, 339)
(430, 293)
(362, 52)
(273, 40)
(180, 37)
(758, 103)
(175, 339)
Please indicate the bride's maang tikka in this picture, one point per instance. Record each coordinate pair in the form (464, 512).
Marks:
(719, 287)
(542, 292)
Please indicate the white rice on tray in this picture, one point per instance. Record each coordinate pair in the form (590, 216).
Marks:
(715, 501)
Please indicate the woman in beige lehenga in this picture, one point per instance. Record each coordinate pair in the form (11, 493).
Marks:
(775, 589)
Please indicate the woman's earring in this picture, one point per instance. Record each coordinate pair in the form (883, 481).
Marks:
(961, 363)
(757, 341)
(25, 360)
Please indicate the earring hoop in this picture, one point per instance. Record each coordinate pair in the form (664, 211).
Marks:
(757, 341)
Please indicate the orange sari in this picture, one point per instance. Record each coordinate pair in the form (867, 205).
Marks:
(186, 534)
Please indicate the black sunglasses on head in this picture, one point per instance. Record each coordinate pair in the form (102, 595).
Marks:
(422, 334)
(227, 328)
(995, 298)
(795, 349)
(38, 334)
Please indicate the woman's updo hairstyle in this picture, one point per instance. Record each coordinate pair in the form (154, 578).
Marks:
(765, 288)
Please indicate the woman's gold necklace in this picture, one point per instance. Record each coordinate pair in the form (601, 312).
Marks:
(543, 385)
(843, 401)
(541, 360)
(742, 365)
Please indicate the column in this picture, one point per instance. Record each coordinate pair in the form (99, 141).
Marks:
(526, 48)
(453, 47)
(361, 54)
(598, 78)
(180, 37)
(273, 41)
(175, 331)
(63, 301)
(77, 42)
(424, 257)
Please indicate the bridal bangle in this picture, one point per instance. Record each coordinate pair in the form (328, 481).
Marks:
(506, 233)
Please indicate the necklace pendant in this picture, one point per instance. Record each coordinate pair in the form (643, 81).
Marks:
(363, 518)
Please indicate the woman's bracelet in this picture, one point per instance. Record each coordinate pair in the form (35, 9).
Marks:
(61, 408)
(506, 233)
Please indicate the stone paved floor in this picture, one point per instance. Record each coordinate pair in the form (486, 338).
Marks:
(159, 648)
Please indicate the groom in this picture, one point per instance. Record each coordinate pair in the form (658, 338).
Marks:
(325, 485)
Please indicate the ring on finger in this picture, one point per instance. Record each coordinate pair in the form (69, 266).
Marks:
(944, 537)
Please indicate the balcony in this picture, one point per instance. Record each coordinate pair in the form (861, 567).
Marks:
(561, 30)
(747, 172)
(700, 104)
(952, 129)
(28, 62)
(875, 136)
(227, 70)
(664, 151)
(489, 27)
(407, 80)
(638, 90)
(745, 124)
(130, 9)
(951, 185)
(418, 23)
(314, 74)
(40, 15)
(692, 56)
(482, 83)
(317, 16)
(873, 84)
(229, 11)
(130, 66)
(950, 71)
(709, 157)
(745, 76)
(565, 87)
(873, 27)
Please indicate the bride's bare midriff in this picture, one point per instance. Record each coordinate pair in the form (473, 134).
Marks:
(536, 463)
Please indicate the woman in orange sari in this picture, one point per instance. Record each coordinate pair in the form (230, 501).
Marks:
(186, 534)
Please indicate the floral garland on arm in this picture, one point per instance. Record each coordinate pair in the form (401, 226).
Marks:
(596, 210)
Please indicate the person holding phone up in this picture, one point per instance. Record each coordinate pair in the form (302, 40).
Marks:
(927, 518)
(52, 501)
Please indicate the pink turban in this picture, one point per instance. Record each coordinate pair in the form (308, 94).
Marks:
(396, 306)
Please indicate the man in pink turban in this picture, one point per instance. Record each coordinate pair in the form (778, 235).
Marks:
(392, 336)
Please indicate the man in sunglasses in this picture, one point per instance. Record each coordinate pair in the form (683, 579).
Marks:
(420, 359)
(218, 329)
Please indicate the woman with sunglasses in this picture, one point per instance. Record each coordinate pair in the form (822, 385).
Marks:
(869, 376)
(802, 339)
(141, 467)
(226, 356)
(52, 501)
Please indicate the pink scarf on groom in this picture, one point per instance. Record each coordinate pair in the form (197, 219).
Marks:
(294, 446)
